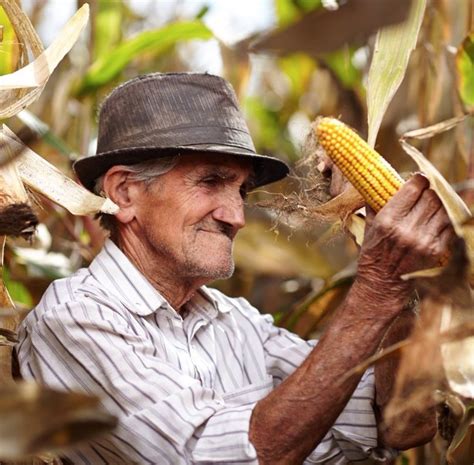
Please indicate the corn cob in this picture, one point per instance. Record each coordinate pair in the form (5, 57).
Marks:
(367, 170)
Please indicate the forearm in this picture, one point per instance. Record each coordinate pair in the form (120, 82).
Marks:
(315, 394)
(414, 427)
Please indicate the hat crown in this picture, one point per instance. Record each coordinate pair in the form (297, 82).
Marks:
(172, 110)
(158, 115)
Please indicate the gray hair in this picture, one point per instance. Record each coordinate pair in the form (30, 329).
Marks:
(146, 171)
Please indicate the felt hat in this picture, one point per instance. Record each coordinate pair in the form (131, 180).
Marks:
(162, 114)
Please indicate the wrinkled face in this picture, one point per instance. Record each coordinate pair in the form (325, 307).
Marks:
(190, 215)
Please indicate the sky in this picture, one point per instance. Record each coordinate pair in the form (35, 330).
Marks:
(230, 20)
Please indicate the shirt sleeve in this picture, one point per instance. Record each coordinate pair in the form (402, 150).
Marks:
(165, 416)
(353, 436)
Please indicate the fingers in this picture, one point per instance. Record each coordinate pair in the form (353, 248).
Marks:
(406, 198)
(416, 219)
(427, 206)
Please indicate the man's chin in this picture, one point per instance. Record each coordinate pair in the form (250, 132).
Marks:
(211, 272)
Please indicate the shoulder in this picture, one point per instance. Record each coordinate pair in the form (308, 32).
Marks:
(76, 298)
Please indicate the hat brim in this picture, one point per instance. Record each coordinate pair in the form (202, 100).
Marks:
(88, 169)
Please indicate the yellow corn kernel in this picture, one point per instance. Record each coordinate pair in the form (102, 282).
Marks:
(366, 170)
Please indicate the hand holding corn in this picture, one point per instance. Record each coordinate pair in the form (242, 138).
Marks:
(410, 233)
(367, 170)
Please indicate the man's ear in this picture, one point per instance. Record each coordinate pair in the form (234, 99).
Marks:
(118, 188)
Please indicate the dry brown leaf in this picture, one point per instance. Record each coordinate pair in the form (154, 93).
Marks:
(35, 75)
(457, 210)
(438, 128)
(46, 179)
(420, 369)
(461, 449)
(314, 33)
(356, 226)
(16, 216)
(47, 420)
(15, 100)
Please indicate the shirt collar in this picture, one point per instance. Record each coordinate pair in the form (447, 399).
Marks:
(113, 269)
(119, 276)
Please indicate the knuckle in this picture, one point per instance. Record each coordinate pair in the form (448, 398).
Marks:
(411, 241)
(432, 198)
(384, 223)
(418, 182)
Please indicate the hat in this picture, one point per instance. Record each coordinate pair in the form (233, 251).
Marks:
(157, 115)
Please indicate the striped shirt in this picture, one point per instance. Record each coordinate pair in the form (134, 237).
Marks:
(183, 385)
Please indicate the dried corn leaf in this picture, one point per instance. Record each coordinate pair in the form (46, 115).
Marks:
(455, 206)
(392, 51)
(46, 179)
(35, 419)
(356, 226)
(8, 337)
(420, 367)
(35, 75)
(461, 449)
(16, 216)
(430, 131)
(14, 100)
(458, 356)
(314, 32)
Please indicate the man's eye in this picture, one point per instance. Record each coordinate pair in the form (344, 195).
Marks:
(211, 180)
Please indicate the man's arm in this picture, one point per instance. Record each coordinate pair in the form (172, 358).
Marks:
(408, 234)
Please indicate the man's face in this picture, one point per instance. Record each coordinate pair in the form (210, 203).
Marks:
(189, 216)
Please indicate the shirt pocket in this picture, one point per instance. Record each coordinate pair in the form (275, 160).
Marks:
(249, 394)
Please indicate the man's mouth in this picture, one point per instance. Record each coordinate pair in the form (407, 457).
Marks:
(221, 230)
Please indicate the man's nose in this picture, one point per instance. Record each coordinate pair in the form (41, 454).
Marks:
(231, 211)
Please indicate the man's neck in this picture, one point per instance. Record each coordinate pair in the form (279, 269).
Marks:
(174, 288)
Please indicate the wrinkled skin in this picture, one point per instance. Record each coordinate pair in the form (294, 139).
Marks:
(410, 233)
(167, 231)
(179, 230)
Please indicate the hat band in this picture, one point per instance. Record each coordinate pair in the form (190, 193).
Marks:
(180, 136)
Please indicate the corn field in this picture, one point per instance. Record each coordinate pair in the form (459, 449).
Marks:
(399, 72)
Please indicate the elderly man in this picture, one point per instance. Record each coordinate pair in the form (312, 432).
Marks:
(194, 376)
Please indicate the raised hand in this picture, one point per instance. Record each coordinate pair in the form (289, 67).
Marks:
(410, 233)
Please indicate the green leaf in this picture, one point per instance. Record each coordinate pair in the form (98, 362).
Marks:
(341, 64)
(156, 41)
(9, 52)
(43, 131)
(268, 131)
(202, 12)
(18, 291)
(465, 71)
(288, 11)
(108, 22)
(392, 51)
(308, 5)
(298, 68)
